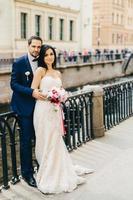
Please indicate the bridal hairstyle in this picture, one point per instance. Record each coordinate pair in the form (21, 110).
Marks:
(41, 62)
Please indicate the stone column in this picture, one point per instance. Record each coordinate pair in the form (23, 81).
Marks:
(98, 123)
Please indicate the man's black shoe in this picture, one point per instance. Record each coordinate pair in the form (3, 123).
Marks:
(30, 180)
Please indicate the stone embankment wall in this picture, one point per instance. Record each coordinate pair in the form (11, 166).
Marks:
(73, 76)
(5, 91)
(82, 74)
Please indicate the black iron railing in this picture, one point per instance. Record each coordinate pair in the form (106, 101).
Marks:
(78, 120)
(118, 103)
(78, 125)
(8, 137)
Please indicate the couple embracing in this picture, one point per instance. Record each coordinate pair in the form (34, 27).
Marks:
(33, 76)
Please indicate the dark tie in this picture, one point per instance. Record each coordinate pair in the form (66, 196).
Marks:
(35, 59)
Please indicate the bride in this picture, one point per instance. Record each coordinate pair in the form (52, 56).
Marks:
(56, 171)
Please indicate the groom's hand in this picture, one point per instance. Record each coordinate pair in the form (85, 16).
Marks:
(38, 95)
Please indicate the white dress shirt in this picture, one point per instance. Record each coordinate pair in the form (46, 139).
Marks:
(34, 64)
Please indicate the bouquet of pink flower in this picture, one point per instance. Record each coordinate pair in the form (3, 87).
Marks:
(57, 95)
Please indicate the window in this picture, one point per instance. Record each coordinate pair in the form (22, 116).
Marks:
(132, 38)
(113, 18)
(113, 38)
(61, 29)
(121, 19)
(129, 3)
(121, 38)
(37, 25)
(71, 30)
(117, 38)
(117, 19)
(50, 28)
(23, 25)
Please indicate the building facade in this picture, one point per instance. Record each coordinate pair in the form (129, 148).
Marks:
(113, 24)
(65, 25)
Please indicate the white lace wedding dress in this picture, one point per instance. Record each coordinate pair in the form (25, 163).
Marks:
(56, 172)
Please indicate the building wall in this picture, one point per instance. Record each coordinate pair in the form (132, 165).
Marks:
(113, 24)
(68, 10)
(65, 3)
(7, 27)
(86, 24)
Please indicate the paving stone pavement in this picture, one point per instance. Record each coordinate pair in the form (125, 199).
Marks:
(110, 156)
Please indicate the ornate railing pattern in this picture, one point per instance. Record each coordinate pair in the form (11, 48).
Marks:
(78, 124)
(8, 135)
(78, 120)
(118, 103)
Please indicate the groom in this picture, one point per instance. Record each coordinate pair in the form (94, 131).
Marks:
(23, 101)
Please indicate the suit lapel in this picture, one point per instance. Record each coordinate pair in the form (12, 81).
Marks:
(28, 66)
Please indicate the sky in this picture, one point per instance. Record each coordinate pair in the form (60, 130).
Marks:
(74, 4)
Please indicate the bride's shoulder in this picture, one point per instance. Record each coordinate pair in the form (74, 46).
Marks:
(58, 73)
(40, 71)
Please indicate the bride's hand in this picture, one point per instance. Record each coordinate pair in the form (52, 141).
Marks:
(37, 94)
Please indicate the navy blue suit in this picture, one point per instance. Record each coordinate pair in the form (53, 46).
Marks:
(23, 104)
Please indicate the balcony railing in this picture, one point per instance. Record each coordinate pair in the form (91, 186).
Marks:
(78, 125)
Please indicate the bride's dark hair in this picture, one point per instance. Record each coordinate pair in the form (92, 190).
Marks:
(41, 62)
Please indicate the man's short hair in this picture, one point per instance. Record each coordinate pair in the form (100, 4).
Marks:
(34, 37)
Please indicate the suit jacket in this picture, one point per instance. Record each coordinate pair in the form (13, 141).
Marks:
(22, 101)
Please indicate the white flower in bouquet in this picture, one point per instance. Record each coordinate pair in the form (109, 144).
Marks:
(63, 95)
(57, 95)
